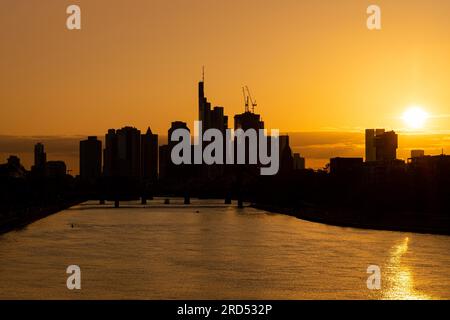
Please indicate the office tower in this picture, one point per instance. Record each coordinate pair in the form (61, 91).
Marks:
(371, 152)
(164, 161)
(40, 157)
(211, 119)
(370, 145)
(299, 162)
(214, 118)
(386, 145)
(175, 125)
(417, 153)
(286, 158)
(149, 156)
(90, 158)
(123, 153)
(167, 169)
(381, 145)
(129, 152)
(248, 120)
(110, 154)
(203, 105)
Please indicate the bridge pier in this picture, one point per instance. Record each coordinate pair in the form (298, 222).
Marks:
(240, 202)
(116, 204)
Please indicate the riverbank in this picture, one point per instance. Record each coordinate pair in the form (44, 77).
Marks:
(403, 222)
(33, 214)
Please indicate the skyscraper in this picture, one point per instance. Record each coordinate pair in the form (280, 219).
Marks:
(123, 153)
(166, 167)
(381, 145)
(129, 152)
(149, 156)
(286, 158)
(248, 120)
(211, 119)
(299, 162)
(90, 158)
(110, 154)
(40, 157)
(214, 118)
(386, 145)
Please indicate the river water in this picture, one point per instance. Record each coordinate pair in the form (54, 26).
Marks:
(209, 250)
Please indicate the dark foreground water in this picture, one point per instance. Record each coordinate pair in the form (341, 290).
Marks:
(211, 251)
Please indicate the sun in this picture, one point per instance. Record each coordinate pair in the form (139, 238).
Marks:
(415, 117)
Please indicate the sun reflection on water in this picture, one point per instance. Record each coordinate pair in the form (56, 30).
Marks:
(400, 277)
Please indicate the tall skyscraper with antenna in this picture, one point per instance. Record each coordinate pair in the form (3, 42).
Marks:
(210, 118)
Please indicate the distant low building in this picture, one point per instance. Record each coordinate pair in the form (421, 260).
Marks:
(417, 153)
(299, 162)
(431, 164)
(346, 166)
(55, 169)
(13, 168)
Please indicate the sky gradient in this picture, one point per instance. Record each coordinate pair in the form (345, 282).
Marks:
(313, 66)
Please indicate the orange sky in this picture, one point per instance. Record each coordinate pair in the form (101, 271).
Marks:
(312, 65)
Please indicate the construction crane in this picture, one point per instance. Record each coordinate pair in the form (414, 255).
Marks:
(251, 100)
(248, 99)
(246, 102)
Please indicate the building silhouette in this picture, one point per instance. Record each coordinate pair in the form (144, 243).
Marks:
(110, 154)
(149, 156)
(55, 169)
(417, 153)
(346, 167)
(167, 169)
(286, 157)
(13, 168)
(122, 154)
(90, 159)
(299, 162)
(248, 120)
(211, 118)
(381, 145)
(40, 158)
(386, 146)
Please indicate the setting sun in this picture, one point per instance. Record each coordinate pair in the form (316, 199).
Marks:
(415, 117)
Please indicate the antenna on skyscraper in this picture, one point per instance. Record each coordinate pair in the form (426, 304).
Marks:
(203, 74)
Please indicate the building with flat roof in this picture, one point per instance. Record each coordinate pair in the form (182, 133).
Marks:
(90, 158)
(381, 145)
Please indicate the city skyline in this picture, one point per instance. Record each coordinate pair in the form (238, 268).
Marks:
(317, 147)
(221, 150)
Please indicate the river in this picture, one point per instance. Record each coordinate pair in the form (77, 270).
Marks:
(209, 250)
